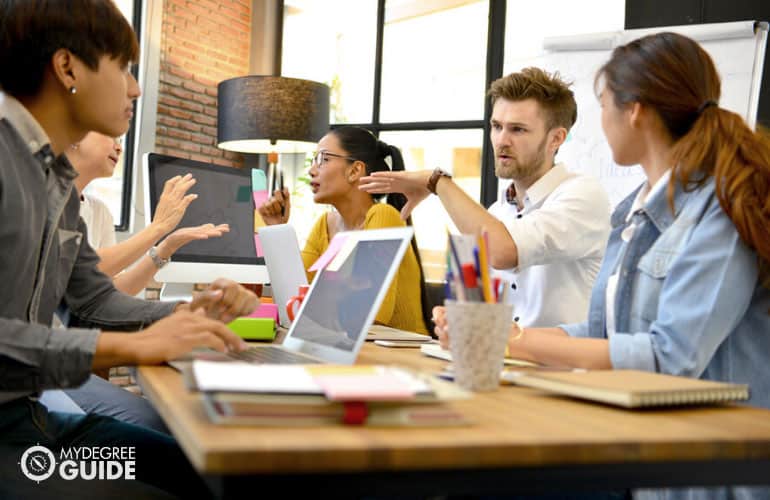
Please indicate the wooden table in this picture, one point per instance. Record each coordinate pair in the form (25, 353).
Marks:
(522, 440)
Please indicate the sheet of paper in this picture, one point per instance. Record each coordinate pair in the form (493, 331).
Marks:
(334, 246)
(245, 377)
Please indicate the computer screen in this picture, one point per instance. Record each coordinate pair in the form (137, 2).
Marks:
(224, 196)
(342, 299)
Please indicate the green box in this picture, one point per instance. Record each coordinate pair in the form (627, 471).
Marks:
(253, 328)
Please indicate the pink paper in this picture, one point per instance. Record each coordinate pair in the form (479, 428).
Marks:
(364, 387)
(265, 311)
(260, 197)
(257, 244)
(334, 246)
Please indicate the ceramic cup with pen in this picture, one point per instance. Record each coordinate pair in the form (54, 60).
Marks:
(478, 332)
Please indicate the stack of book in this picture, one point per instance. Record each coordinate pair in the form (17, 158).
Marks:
(306, 395)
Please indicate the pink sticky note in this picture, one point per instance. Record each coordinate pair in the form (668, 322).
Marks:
(258, 245)
(265, 311)
(260, 197)
(373, 387)
(334, 246)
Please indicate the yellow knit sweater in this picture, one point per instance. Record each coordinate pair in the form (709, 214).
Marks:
(402, 306)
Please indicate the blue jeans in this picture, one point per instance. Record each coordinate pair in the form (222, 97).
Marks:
(101, 397)
(161, 469)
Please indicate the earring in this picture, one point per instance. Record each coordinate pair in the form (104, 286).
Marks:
(73, 90)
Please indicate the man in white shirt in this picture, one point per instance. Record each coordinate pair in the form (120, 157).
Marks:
(548, 232)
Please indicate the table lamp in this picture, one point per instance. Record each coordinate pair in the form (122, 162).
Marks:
(271, 114)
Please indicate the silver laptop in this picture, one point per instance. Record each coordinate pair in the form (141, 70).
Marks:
(287, 272)
(342, 302)
(284, 265)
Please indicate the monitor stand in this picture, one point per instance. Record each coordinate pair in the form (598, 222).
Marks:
(174, 292)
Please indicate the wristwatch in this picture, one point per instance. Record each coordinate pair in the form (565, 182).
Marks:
(434, 177)
(157, 259)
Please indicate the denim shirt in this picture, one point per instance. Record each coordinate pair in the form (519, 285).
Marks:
(688, 301)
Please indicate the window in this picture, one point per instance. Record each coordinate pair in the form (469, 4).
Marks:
(115, 191)
(415, 72)
(333, 42)
(433, 61)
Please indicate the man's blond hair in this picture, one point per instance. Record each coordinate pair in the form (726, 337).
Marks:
(552, 93)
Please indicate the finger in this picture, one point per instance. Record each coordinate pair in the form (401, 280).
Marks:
(229, 337)
(406, 210)
(187, 200)
(443, 338)
(169, 184)
(287, 200)
(206, 299)
(202, 324)
(205, 339)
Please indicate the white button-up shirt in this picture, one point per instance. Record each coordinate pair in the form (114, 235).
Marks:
(560, 235)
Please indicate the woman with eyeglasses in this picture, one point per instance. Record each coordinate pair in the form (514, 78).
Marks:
(345, 155)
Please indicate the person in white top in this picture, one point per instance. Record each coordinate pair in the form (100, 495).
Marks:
(548, 232)
(96, 156)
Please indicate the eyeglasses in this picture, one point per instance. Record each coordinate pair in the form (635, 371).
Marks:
(320, 157)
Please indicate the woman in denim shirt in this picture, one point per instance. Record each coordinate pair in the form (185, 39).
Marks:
(683, 288)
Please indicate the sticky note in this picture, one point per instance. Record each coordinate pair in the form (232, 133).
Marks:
(260, 197)
(342, 254)
(334, 246)
(258, 246)
(258, 180)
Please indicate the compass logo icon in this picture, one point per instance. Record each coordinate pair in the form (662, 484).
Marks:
(38, 463)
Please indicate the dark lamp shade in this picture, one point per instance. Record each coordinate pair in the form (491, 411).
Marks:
(262, 114)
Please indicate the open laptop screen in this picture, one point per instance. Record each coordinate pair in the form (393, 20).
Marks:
(335, 314)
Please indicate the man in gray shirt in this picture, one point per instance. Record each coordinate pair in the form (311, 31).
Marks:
(65, 72)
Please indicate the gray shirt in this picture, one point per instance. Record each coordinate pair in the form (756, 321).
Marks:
(45, 260)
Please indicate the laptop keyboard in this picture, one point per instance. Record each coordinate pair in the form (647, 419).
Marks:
(273, 355)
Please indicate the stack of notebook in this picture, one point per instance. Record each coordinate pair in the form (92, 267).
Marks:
(249, 394)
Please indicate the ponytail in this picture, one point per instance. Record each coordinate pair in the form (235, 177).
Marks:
(673, 75)
(720, 144)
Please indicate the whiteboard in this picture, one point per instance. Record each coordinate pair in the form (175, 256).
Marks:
(738, 50)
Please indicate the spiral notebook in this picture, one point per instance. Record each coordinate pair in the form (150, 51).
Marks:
(632, 388)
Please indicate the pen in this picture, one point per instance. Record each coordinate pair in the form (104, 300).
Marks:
(496, 282)
(280, 188)
(471, 284)
(486, 286)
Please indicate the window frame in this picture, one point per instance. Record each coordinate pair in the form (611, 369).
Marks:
(494, 70)
(124, 224)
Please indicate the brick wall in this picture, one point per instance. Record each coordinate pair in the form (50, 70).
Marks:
(203, 42)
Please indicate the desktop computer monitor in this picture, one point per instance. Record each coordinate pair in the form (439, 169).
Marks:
(224, 196)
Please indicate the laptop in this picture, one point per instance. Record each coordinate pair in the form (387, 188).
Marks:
(284, 265)
(339, 308)
(287, 272)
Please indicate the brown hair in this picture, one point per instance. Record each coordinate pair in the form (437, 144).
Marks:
(673, 75)
(552, 93)
(31, 31)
